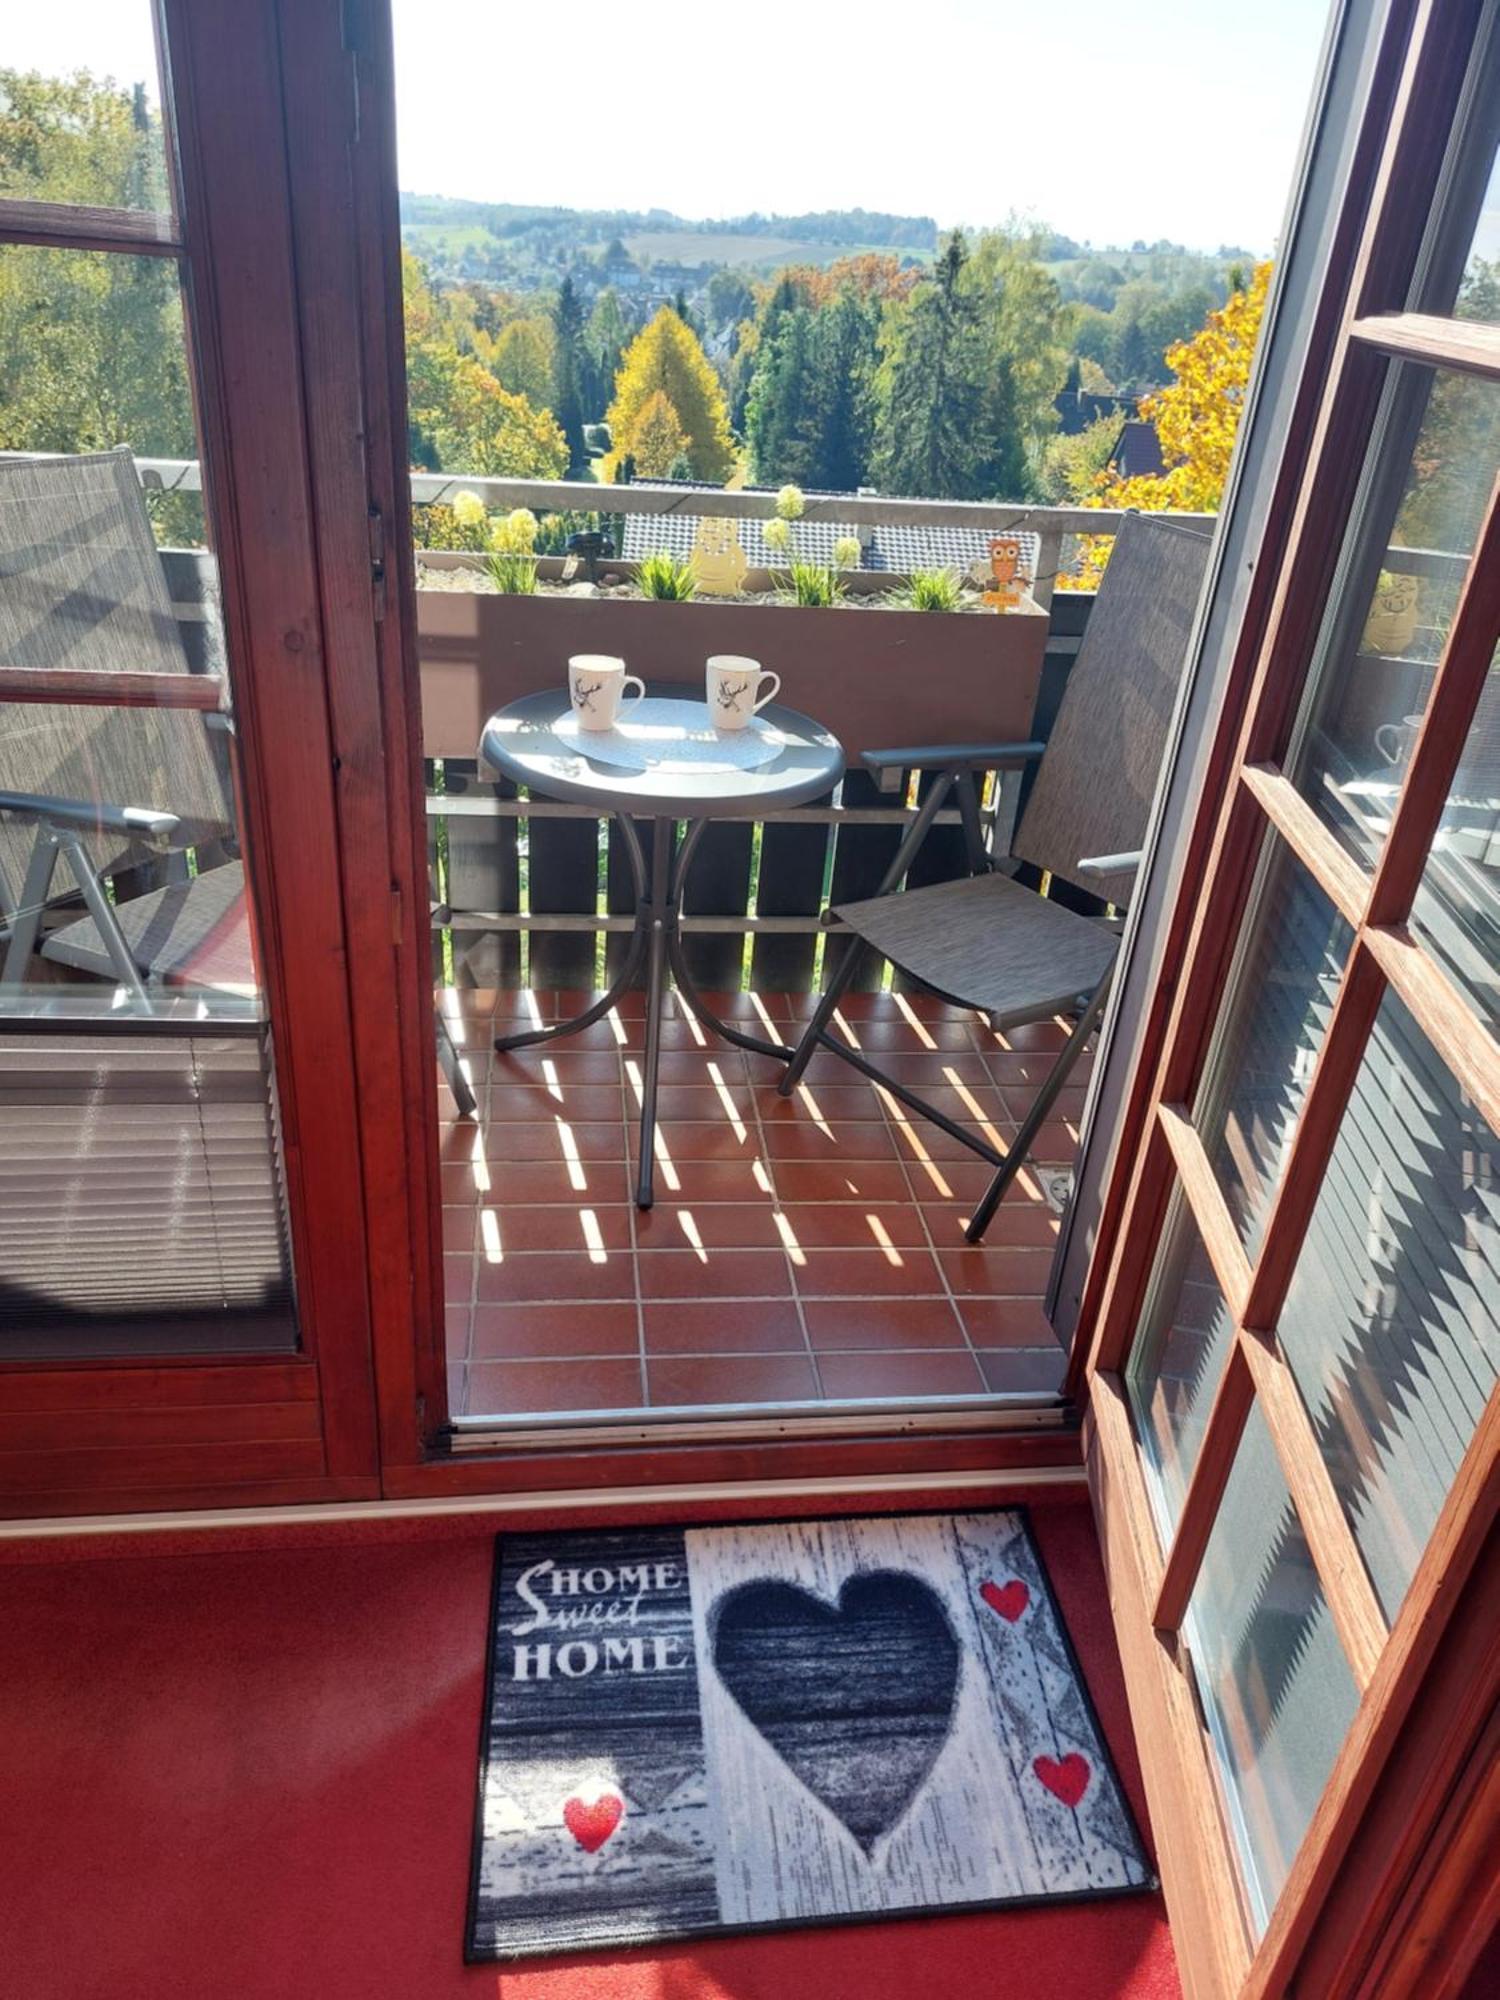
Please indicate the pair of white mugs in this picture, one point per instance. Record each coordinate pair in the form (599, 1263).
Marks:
(735, 687)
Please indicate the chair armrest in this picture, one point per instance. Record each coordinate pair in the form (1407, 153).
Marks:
(1110, 864)
(946, 756)
(140, 822)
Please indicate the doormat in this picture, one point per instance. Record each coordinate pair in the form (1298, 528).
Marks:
(689, 1730)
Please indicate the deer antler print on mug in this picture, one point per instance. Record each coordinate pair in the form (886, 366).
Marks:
(596, 688)
(737, 687)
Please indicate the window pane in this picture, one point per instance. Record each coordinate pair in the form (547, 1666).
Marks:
(1176, 1362)
(1457, 910)
(92, 354)
(1274, 1683)
(1459, 273)
(1427, 484)
(1479, 288)
(1283, 991)
(80, 107)
(1392, 1322)
(141, 1204)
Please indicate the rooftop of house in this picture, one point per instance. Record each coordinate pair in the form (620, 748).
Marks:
(885, 546)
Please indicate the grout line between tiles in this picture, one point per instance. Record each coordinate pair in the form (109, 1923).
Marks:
(763, 1152)
(907, 1167)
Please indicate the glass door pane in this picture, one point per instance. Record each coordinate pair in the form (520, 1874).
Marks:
(142, 1206)
(1275, 1686)
(80, 107)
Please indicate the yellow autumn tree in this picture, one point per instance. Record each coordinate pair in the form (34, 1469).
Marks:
(658, 437)
(461, 418)
(665, 357)
(1197, 417)
(521, 360)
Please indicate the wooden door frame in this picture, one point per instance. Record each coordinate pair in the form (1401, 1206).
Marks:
(164, 1430)
(1319, 1917)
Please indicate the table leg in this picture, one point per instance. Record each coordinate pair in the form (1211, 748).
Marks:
(661, 917)
(686, 984)
(639, 946)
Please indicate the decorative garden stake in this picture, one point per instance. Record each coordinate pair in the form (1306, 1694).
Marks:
(719, 562)
(1010, 579)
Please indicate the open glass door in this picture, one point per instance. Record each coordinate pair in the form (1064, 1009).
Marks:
(1292, 1370)
(183, 1292)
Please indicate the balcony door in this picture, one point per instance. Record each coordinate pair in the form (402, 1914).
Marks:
(1292, 1328)
(189, 910)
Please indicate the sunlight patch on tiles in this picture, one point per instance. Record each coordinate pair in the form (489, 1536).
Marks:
(913, 1138)
(845, 1030)
(974, 1108)
(773, 1033)
(882, 1236)
(577, 1178)
(913, 1022)
(727, 1100)
(788, 1236)
(815, 1109)
(693, 1234)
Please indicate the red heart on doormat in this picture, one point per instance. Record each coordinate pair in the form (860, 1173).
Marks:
(1067, 1778)
(592, 1821)
(1009, 1599)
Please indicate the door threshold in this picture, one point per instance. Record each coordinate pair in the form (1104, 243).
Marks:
(751, 1423)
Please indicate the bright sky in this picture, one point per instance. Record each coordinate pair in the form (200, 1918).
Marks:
(1109, 119)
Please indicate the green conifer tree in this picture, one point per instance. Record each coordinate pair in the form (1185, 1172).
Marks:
(568, 368)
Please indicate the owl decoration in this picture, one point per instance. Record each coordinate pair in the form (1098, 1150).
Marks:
(719, 563)
(1008, 581)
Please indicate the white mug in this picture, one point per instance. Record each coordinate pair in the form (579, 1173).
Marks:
(737, 687)
(1394, 740)
(596, 688)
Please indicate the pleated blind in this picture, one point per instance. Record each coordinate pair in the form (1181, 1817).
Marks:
(142, 1206)
(1392, 1321)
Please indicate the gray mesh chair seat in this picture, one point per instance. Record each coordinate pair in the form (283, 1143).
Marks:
(989, 942)
(986, 942)
(194, 931)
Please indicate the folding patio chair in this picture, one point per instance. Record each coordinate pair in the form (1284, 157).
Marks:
(112, 791)
(988, 942)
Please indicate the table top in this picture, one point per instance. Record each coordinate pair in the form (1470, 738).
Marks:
(522, 743)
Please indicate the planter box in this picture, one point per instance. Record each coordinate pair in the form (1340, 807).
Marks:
(877, 679)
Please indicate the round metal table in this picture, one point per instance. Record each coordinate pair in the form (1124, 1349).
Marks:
(522, 741)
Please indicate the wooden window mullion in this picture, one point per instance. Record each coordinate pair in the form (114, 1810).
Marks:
(1472, 345)
(1346, 885)
(66, 225)
(1356, 1612)
(1257, 1374)
(1443, 1015)
(1200, 1504)
(1200, 1186)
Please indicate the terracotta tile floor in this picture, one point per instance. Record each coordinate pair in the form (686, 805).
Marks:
(799, 1249)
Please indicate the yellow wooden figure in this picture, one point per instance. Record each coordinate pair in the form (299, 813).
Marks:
(719, 563)
(1010, 579)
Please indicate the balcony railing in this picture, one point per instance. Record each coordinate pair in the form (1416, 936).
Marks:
(535, 892)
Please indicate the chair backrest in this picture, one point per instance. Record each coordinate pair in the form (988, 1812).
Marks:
(1097, 778)
(82, 590)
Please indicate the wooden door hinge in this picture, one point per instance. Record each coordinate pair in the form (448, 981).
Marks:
(377, 560)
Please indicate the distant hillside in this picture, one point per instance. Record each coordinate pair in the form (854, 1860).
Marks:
(528, 247)
(599, 226)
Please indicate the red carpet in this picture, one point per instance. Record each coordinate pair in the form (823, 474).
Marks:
(251, 1775)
